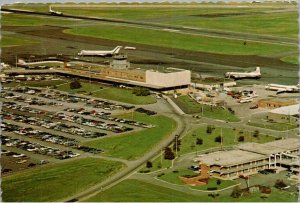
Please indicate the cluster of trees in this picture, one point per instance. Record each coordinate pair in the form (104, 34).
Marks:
(75, 84)
(169, 154)
(141, 91)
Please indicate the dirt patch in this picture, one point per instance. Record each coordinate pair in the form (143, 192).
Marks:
(218, 15)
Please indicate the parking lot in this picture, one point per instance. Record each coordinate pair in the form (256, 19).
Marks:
(44, 126)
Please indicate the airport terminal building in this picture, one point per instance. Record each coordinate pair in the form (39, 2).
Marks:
(249, 158)
(119, 71)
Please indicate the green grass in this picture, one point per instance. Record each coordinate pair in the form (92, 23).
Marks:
(173, 177)
(135, 144)
(111, 93)
(213, 183)
(124, 95)
(276, 196)
(291, 59)
(55, 182)
(138, 191)
(189, 106)
(27, 20)
(10, 41)
(178, 40)
(157, 164)
(230, 137)
(275, 126)
(252, 19)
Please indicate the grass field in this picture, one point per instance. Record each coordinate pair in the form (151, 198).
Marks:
(146, 192)
(111, 93)
(178, 40)
(275, 126)
(55, 182)
(251, 19)
(138, 191)
(133, 145)
(26, 20)
(189, 106)
(230, 137)
(10, 41)
(291, 59)
(157, 164)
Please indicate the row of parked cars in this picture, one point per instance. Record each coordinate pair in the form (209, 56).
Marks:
(49, 124)
(47, 137)
(106, 116)
(37, 148)
(29, 101)
(71, 98)
(92, 123)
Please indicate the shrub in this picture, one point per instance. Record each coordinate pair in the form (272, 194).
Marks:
(241, 139)
(280, 184)
(149, 164)
(218, 139)
(256, 133)
(236, 192)
(75, 84)
(219, 182)
(140, 91)
(208, 129)
(199, 141)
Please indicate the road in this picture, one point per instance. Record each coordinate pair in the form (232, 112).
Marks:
(182, 29)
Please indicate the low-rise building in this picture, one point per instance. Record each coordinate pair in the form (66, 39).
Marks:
(286, 114)
(275, 103)
(249, 158)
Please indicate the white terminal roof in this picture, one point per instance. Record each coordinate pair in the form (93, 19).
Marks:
(231, 157)
(272, 147)
(287, 110)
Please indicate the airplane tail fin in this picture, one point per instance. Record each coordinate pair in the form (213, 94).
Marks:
(257, 70)
(50, 9)
(117, 49)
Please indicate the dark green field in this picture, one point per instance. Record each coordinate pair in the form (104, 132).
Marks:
(55, 182)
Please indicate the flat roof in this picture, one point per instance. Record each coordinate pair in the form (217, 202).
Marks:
(287, 110)
(231, 157)
(271, 147)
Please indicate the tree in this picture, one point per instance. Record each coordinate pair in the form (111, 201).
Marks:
(218, 139)
(75, 84)
(218, 182)
(199, 141)
(256, 133)
(236, 192)
(241, 138)
(208, 129)
(169, 154)
(280, 184)
(140, 91)
(149, 164)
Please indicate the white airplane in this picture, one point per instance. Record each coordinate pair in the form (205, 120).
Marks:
(239, 75)
(54, 12)
(283, 88)
(99, 53)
